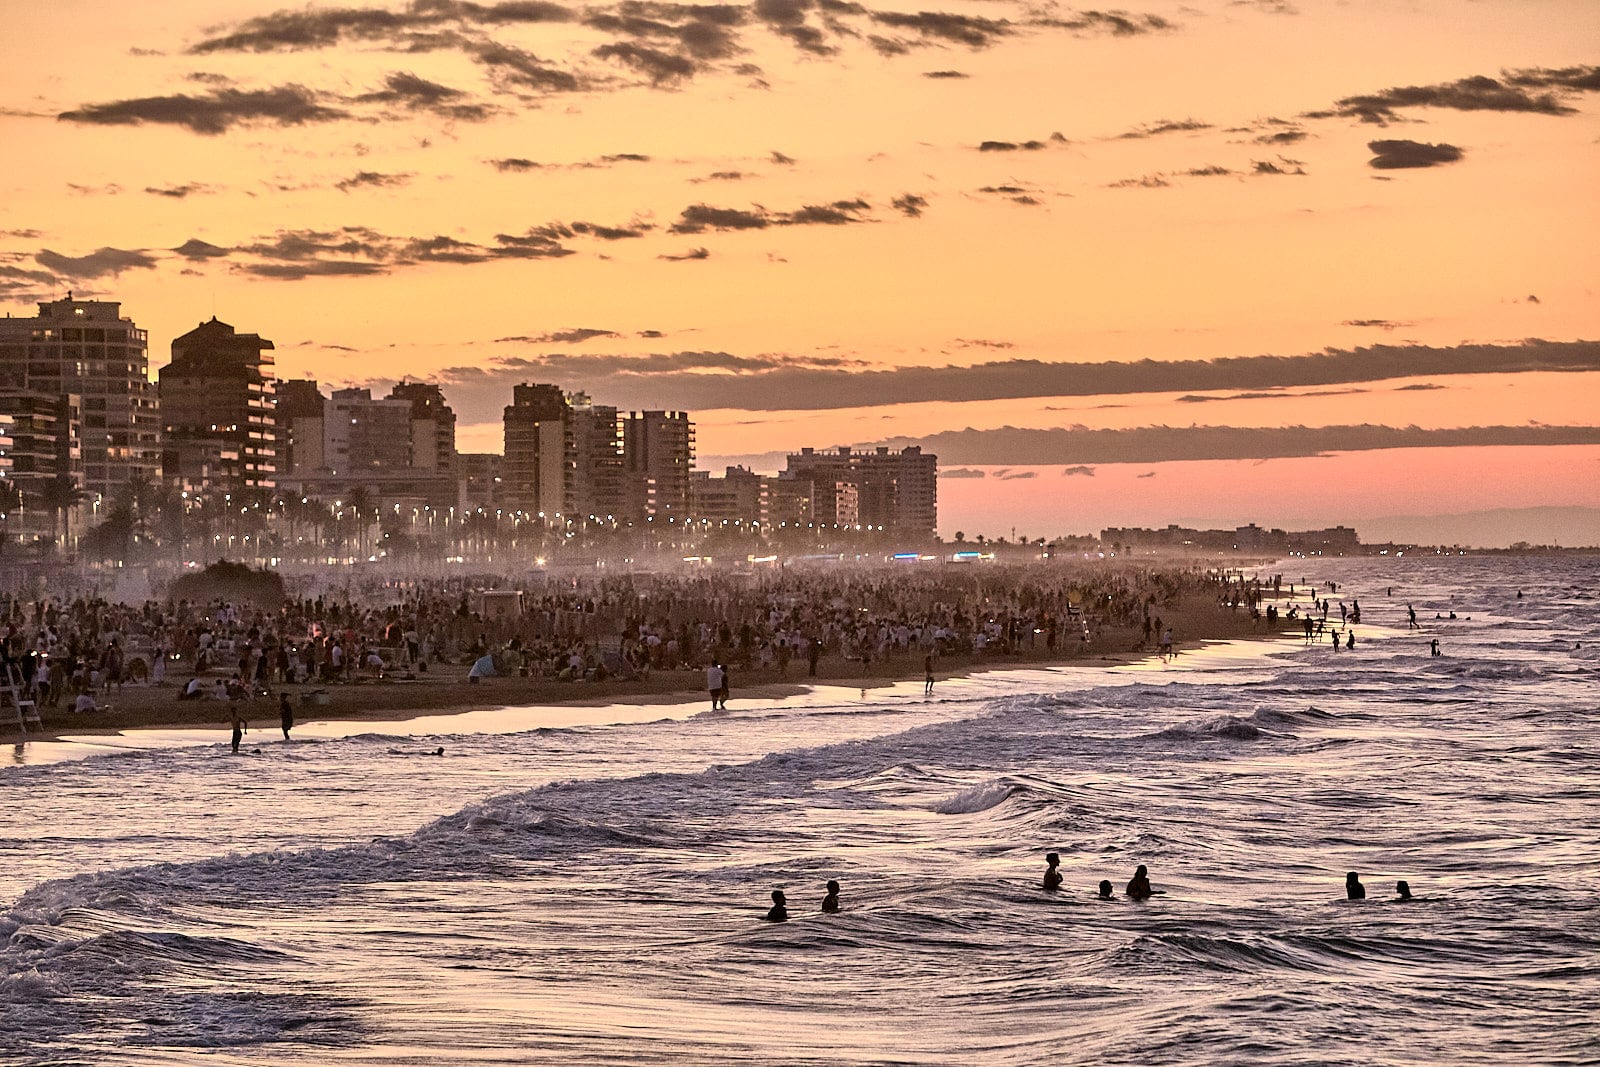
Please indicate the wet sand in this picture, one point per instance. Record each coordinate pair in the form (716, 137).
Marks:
(444, 689)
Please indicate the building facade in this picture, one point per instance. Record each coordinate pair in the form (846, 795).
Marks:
(217, 410)
(87, 348)
(537, 473)
(880, 490)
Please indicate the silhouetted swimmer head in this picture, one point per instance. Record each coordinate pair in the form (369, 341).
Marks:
(1402, 888)
(1105, 889)
(830, 902)
(1353, 887)
(779, 911)
(1052, 873)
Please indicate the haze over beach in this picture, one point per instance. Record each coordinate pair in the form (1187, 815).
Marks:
(1205, 263)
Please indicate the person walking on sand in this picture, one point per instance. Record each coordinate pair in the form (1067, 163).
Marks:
(285, 714)
(239, 728)
(1166, 643)
(1411, 618)
(927, 668)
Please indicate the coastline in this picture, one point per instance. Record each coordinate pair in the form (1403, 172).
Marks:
(444, 690)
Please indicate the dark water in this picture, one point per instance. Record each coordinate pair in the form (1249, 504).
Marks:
(593, 894)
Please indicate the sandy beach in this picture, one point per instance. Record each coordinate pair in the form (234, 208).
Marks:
(444, 688)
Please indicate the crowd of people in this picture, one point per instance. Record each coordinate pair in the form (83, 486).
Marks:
(595, 626)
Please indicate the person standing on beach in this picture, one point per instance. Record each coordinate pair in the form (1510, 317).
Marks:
(285, 714)
(1166, 643)
(239, 727)
(927, 667)
(813, 654)
(726, 682)
(714, 685)
(1411, 618)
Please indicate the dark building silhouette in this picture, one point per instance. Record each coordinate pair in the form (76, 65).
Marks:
(217, 410)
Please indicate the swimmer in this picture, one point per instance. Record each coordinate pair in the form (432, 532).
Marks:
(1105, 889)
(1353, 889)
(1350, 639)
(417, 752)
(1434, 644)
(779, 912)
(1139, 885)
(1052, 876)
(1402, 890)
(830, 903)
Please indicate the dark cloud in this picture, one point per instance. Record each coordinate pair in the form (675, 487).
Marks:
(1207, 172)
(944, 74)
(788, 18)
(194, 249)
(179, 192)
(1266, 167)
(96, 264)
(625, 157)
(566, 337)
(1377, 324)
(1282, 137)
(514, 164)
(1478, 93)
(289, 31)
(1011, 146)
(782, 160)
(793, 383)
(1011, 476)
(660, 67)
(1418, 387)
(1116, 23)
(1078, 471)
(25, 234)
(698, 218)
(111, 189)
(1149, 181)
(414, 93)
(516, 69)
(972, 31)
(287, 105)
(684, 257)
(722, 176)
(1156, 129)
(981, 342)
(1158, 444)
(372, 179)
(1399, 155)
(962, 472)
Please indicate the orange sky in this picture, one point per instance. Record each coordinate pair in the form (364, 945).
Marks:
(647, 199)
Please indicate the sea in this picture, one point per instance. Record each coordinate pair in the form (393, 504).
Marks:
(588, 885)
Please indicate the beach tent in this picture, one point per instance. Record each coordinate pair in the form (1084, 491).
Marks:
(484, 668)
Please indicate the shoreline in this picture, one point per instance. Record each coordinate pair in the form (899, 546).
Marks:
(445, 691)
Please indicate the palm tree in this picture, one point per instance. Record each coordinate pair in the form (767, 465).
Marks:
(58, 496)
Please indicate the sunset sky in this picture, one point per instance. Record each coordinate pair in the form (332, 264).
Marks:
(1213, 262)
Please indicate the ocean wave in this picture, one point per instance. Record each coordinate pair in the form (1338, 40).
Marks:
(979, 797)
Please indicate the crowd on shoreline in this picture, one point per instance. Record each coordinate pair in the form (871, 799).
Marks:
(593, 627)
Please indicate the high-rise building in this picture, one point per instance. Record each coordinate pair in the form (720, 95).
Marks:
(657, 455)
(479, 477)
(217, 401)
(86, 348)
(433, 426)
(537, 472)
(739, 496)
(597, 484)
(894, 491)
(362, 434)
(301, 410)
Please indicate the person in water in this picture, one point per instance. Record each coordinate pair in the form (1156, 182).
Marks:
(1402, 890)
(927, 669)
(830, 903)
(1052, 872)
(1353, 889)
(285, 714)
(1434, 644)
(239, 727)
(1105, 889)
(1139, 885)
(779, 912)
